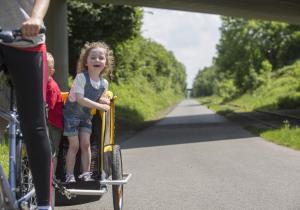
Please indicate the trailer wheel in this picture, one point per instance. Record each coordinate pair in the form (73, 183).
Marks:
(117, 174)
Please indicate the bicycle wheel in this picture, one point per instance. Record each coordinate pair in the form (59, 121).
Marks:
(25, 183)
(24, 177)
(2, 201)
(6, 199)
(117, 174)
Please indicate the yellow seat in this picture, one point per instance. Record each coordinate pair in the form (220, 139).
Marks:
(64, 96)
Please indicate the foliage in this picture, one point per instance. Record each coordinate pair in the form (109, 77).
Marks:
(226, 88)
(250, 51)
(4, 156)
(282, 92)
(289, 102)
(256, 68)
(138, 101)
(141, 57)
(147, 78)
(93, 22)
(287, 136)
(205, 82)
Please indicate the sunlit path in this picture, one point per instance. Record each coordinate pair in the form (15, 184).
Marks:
(195, 159)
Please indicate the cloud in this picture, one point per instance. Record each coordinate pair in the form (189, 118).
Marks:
(191, 36)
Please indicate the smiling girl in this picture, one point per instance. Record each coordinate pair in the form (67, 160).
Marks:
(96, 60)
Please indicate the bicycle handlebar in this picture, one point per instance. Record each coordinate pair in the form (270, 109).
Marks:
(14, 35)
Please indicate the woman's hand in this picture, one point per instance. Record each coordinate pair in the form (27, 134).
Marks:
(31, 27)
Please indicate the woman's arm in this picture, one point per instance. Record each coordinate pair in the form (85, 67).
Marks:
(91, 104)
(31, 27)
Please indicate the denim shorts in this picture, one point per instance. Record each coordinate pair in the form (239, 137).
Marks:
(73, 126)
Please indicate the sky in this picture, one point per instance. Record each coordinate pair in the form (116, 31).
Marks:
(191, 36)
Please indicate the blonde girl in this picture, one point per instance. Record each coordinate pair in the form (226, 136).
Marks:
(96, 60)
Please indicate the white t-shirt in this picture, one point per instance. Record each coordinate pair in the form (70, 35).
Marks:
(79, 83)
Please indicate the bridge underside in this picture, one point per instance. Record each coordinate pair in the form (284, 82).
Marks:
(280, 10)
(56, 21)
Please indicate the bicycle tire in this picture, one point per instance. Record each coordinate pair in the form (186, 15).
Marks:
(117, 174)
(6, 198)
(24, 176)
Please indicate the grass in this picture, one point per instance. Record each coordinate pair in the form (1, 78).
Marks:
(286, 136)
(283, 92)
(138, 102)
(4, 157)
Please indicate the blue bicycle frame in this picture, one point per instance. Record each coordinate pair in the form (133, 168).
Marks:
(9, 187)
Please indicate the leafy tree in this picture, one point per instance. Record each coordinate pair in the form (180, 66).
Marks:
(245, 45)
(94, 22)
(247, 54)
(205, 82)
(150, 60)
(145, 71)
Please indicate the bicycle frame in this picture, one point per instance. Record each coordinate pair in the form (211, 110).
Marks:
(8, 186)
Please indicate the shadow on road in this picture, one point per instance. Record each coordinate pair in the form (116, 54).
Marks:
(187, 129)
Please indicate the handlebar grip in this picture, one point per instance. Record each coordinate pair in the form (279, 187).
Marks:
(10, 36)
(42, 30)
(18, 32)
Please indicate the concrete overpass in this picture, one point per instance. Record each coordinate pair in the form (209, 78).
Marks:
(56, 20)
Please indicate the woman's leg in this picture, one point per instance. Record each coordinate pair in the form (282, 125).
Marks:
(85, 149)
(71, 154)
(27, 68)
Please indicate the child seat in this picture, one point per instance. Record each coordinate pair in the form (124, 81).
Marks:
(101, 136)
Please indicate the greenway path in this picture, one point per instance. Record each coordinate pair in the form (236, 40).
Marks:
(194, 159)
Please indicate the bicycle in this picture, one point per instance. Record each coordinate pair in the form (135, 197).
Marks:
(17, 191)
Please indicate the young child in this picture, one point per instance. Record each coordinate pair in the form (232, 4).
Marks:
(55, 105)
(96, 59)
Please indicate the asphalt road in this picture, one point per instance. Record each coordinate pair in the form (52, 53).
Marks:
(197, 160)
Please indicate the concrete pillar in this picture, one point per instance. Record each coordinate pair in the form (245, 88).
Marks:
(57, 40)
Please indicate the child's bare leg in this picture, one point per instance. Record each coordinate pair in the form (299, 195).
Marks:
(85, 148)
(71, 154)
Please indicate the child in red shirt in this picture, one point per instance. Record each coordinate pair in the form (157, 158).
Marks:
(55, 116)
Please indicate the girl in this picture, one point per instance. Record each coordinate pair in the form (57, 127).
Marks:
(95, 60)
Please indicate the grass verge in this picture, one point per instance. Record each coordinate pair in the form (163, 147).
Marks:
(4, 156)
(286, 135)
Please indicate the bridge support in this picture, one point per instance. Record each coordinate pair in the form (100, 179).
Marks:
(57, 40)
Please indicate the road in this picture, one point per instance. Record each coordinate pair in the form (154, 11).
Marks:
(196, 160)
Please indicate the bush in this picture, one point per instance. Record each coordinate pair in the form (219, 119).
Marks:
(226, 89)
(289, 102)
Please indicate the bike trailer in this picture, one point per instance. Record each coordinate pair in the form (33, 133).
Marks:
(106, 165)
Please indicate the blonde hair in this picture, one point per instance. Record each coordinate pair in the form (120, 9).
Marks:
(50, 60)
(85, 51)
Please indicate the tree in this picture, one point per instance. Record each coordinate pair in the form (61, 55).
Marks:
(94, 22)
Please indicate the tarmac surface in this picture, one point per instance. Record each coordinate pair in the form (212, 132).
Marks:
(195, 159)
